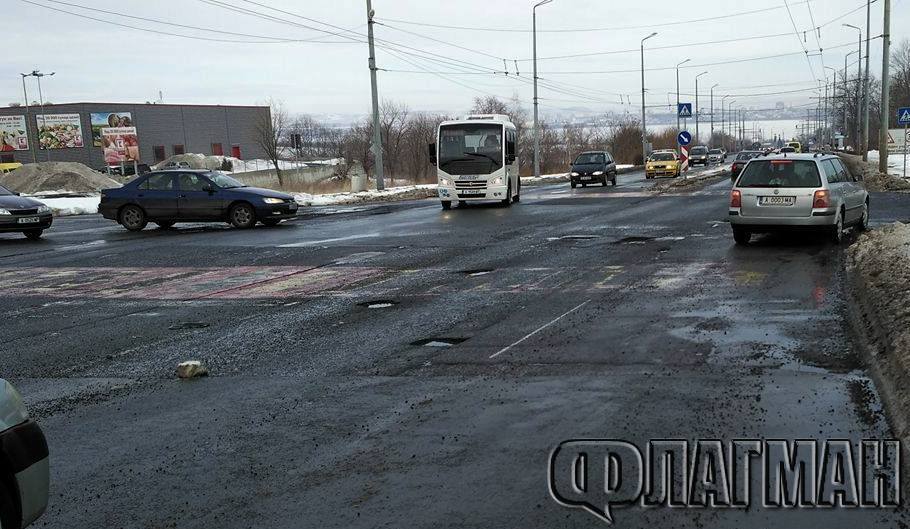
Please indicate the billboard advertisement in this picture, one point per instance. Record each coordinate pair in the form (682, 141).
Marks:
(101, 120)
(59, 131)
(13, 136)
(120, 145)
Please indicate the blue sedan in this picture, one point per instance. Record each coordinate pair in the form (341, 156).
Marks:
(185, 195)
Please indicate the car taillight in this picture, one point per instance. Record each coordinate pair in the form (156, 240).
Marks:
(821, 199)
(736, 199)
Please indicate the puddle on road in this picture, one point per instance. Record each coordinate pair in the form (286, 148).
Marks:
(634, 239)
(477, 272)
(439, 342)
(188, 325)
(378, 304)
(574, 238)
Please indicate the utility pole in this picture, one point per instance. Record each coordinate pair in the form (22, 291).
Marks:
(866, 84)
(377, 133)
(697, 137)
(846, 75)
(33, 146)
(886, 85)
(644, 127)
(711, 140)
(536, 121)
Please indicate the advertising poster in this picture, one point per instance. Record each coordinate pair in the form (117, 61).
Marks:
(121, 144)
(13, 136)
(59, 131)
(103, 120)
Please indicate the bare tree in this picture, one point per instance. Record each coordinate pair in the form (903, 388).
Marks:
(270, 133)
(900, 76)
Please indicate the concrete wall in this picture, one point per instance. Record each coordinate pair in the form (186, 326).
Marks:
(196, 127)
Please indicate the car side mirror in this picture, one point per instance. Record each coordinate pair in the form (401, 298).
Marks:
(208, 188)
(431, 150)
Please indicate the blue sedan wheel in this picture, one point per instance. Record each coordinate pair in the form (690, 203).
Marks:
(242, 216)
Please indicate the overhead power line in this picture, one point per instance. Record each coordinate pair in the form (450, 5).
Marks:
(582, 30)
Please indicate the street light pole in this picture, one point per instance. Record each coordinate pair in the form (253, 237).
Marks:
(723, 123)
(536, 120)
(857, 143)
(828, 133)
(644, 127)
(866, 84)
(886, 80)
(677, 93)
(697, 142)
(38, 75)
(711, 138)
(33, 146)
(844, 104)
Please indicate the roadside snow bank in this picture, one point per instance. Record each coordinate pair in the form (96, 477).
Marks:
(873, 180)
(880, 314)
(66, 206)
(386, 195)
(691, 181)
(52, 176)
(895, 163)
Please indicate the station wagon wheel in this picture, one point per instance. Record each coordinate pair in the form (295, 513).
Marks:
(133, 218)
(864, 222)
(32, 235)
(837, 231)
(242, 216)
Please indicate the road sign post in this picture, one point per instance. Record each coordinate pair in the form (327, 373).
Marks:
(903, 118)
(684, 138)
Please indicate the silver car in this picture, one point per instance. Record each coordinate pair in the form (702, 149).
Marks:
(797, 191)
(24, 471)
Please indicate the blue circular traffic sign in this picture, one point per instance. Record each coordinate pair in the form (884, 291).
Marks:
(684, 138)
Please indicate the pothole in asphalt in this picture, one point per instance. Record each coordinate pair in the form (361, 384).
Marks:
(635, 239)
(188, 325)
(439, 342)
(378, 304)
(477, 272)
(573, 238)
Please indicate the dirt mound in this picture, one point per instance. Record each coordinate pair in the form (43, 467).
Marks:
(69, 177)
(873, 180)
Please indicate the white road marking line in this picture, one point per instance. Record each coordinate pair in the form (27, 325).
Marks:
(542, 327)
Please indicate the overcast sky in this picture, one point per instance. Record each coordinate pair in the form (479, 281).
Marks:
(100, 61)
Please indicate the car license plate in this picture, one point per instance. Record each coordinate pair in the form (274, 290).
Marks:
(472, 192)
(776, 201)
(585, 177)
(29, 220)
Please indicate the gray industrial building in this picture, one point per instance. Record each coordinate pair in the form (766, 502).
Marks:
(160, 131)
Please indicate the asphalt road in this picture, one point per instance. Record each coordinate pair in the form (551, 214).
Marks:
(496, 334)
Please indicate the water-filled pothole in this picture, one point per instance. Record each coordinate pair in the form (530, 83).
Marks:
(439, 341)
(635, 239)
(477, 272)
(188, 325)
(378, 304)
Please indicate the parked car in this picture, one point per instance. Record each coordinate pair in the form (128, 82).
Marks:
(176, 165)
(593, 166)
(126, 170)
(698, 155)
(662, 163)
(797, 191)
(716, 156)
(24, 465)
(23, 215)
(740, 161)
(168, 197)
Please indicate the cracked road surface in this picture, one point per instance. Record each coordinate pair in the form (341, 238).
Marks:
(395, 365)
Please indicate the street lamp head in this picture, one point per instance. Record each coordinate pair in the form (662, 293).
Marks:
(699, 75)
(538, 4)
(852, 26)
(715, 86)
(684, 62)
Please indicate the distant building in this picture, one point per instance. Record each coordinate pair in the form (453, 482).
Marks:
(780, 105)
(99, 134)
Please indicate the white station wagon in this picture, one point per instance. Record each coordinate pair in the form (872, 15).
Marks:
(797, 192)
(24, 470)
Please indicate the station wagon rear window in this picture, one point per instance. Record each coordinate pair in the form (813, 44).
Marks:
(780, 173)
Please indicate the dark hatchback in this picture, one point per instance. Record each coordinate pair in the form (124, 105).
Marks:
(740, 162)
(23, 215)
(591, 167)
(185, 195)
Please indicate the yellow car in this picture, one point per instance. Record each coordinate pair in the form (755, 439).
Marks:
(796, 146)
(662, 163)
(9, 167)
